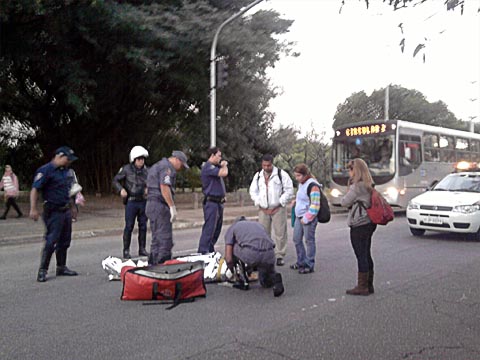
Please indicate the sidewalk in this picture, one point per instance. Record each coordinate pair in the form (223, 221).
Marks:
(103, 217)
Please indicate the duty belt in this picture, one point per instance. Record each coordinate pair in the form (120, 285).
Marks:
(254, 248)
(216, 199)
(52, 207)
(136, 198)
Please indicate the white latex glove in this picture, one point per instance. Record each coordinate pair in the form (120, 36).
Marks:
(173, 214)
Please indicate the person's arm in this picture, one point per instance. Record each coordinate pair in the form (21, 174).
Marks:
(167, 196)
(350, 197)
(15, 184)
(314, 207)
(117, 182)
(287, 189)
(254, 191)
(33, 204)
(229, 257)
(223, 168)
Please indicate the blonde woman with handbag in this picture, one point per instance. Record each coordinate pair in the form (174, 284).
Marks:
(9, 183)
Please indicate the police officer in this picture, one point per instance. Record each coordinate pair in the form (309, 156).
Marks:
(161, 209)
(213, 187)
(54, 182)
(248, 244)
(131, 184)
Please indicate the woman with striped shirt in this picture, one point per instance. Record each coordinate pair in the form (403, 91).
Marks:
(9, 183)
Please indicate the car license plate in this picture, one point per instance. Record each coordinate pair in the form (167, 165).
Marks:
(433, 220)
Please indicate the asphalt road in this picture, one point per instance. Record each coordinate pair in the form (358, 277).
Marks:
(426, 306)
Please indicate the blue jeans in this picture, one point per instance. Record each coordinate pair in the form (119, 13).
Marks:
(305, 257)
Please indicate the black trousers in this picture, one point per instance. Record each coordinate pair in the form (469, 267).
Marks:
(11, 202)
(361, 239)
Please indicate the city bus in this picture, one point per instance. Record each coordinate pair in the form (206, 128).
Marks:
(404, 158)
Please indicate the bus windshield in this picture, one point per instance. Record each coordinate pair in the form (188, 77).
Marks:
(377, 151)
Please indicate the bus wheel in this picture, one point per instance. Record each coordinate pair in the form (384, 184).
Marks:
(417, 232)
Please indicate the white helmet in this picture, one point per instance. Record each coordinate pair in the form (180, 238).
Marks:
(138, 151)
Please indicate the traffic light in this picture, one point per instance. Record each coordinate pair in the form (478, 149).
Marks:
(222, 73)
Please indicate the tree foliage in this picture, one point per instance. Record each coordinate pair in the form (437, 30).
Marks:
(404, 104)
(103, 76)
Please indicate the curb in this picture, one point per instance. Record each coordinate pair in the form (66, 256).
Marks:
(87, 234)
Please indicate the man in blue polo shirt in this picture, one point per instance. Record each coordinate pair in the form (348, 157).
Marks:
(213, 188)
(54, 182)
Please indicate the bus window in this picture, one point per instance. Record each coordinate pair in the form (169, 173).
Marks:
(409, 155)
(475, 149)
(447, 146)
(431, 144)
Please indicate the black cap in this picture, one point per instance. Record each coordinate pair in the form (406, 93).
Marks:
(66, 151)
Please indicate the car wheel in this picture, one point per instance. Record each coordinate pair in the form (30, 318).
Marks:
(417, 232)
(474, 236)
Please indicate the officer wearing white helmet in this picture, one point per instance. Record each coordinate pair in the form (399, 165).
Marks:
(131, 184)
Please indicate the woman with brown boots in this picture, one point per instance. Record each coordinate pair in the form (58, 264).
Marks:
(357, 200)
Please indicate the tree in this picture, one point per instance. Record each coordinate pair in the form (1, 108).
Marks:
(404, 104)
(105, 76)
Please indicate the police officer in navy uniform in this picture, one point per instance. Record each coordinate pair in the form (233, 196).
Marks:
(54, 182)
(131, 184)
(161, 210)
(213, 187)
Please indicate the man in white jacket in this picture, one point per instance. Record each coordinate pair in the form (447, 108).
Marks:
(271, 190)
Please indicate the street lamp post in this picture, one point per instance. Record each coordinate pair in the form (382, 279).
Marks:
(213, 59)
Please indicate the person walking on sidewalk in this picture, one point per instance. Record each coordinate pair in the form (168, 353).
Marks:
(131, 184)
(248, 244)
(307, 205)
(361, 227)
(9, 183)
(53, 182)
(161, 210)
(213, 188)
(271, 190)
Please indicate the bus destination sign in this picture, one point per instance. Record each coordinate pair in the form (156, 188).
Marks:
(363, 130)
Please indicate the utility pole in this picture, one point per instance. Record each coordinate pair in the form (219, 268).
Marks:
(213, 60)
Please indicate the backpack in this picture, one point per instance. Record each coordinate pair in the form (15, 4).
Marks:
(380, 212)
(323, 215)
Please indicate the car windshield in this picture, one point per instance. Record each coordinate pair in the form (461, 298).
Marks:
(459, 182)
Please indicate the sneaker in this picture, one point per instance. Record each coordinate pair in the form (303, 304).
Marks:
(280, 262)
(305, 270)
(295, 266)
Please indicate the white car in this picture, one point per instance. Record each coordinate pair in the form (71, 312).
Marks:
(452, 205)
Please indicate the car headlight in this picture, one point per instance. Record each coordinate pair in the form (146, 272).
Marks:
(413, 206)
(335, 193)
(466, 209)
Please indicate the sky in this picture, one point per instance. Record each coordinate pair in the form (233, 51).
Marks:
(358, 49)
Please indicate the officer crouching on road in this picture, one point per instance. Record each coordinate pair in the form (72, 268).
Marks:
(248, 244)
(54, 182)
(131, 184)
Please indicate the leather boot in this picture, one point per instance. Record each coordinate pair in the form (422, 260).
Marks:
(44, 264)
(127, 239)
(278, 288)
(371, 290)
(142, 242)
(62, 269)
(362, 285)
